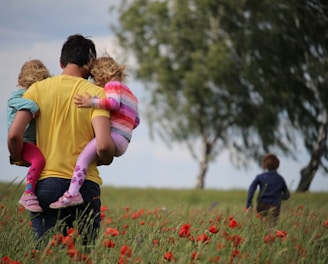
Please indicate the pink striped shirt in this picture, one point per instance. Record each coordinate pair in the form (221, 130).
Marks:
(123, 107)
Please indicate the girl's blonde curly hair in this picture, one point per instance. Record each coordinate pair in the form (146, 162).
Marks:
(31, 72)
(106, 69)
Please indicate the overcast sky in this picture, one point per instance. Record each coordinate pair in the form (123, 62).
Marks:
(36, 29)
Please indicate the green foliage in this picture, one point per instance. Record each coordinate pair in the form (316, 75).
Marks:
(245, 76)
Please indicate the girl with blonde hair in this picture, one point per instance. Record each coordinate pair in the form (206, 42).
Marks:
(31, 72)
(124, 118)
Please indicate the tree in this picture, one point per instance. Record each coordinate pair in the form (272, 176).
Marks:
(217, 72)
(291, 58)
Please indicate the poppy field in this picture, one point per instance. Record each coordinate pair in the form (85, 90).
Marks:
(175, 226)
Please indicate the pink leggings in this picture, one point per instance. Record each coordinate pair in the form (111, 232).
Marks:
(89, 154)
(34, 156)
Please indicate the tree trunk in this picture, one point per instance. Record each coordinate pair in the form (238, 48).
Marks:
(200, 183)
(308, 172)
(203, 165)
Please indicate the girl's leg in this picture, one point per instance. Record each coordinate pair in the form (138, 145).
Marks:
(88, 154)
(72, 196)
(33, 155)
(120, 142)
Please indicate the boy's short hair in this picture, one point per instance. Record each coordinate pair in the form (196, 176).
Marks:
(270, 162)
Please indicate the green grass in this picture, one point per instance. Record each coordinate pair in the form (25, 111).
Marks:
(148, 222)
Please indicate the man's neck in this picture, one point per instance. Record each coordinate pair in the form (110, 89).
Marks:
(73, 70)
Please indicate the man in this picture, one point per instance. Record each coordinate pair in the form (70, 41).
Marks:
(62, 132)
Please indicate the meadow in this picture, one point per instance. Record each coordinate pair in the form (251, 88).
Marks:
(175, 226)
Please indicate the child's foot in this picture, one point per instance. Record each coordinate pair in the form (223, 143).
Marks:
(30, 202)
(67, 200)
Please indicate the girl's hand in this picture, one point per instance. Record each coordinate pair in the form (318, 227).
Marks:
(83, 101)
(36, 114)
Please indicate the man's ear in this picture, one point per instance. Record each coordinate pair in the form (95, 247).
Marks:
(60, 63)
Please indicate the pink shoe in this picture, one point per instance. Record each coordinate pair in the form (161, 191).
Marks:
(67, 200)
(30, 202)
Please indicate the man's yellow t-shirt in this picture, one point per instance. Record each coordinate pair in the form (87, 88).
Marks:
(63, 129)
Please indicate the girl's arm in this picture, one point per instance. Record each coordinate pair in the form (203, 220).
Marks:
(112, 101)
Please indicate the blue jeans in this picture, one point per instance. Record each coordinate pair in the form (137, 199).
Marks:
(88, 214)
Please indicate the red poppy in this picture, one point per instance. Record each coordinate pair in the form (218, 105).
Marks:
(281, 233)
(126, 251)
(108, 221)
(268, 239)
(168, 256)
(72, 232)
(21, 208)
(72, 252)
(121, 260)
(57, 240)
(301, 250)
(109, 243)
(213, 229)
(219, 246)
(137, 214)
(233, 223)
(102, 216)
(103, 208)
(235, 253)
(111, 231)
(195, 255)
(203, 238)
(5, 260)
(184, 230)
(68, 241)
(32, 254)
(236, 240)
(326, 223)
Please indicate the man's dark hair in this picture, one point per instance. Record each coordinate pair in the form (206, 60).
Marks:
(78, 50)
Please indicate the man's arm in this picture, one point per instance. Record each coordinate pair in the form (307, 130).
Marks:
(105, 145)
(16, 134)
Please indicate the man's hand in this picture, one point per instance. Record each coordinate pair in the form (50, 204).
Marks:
(22, 163)
(101, 163)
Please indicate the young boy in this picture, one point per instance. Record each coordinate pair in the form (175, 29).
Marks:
(273, 188)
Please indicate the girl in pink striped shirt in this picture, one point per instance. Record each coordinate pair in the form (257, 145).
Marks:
(123, 107)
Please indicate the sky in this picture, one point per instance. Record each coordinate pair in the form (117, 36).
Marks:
(36, 29)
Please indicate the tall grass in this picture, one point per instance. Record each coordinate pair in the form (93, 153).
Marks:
(177, 226)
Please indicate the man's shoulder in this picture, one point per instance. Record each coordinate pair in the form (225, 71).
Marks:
(95, 90)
